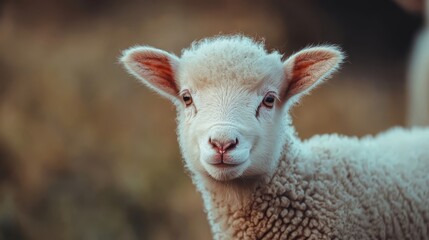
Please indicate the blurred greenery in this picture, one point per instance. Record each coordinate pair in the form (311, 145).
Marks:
(86, 152)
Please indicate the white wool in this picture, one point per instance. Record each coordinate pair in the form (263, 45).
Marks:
(268, 184)
(337, 187)
(229, 60)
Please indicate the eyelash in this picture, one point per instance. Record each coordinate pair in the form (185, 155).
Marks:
(187, 98)
(263, 103)
(269, 100)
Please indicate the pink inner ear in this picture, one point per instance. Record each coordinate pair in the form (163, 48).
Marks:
(158, 72)
(307, 69)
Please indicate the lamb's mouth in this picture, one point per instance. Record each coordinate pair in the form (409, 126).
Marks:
(225, 162)
(224, 165)
(225, 171)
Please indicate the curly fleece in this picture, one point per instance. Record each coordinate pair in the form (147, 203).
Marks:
(335, 187)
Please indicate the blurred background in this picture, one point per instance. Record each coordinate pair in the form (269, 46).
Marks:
(86, 152)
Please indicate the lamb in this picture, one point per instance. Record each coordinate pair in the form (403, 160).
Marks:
(258, 180)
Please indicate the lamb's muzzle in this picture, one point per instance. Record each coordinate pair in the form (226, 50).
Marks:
(225, 151)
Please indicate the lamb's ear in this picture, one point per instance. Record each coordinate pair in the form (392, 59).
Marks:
(308, 68)
(154, 67)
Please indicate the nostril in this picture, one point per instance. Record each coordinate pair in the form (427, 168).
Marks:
(223, 146)
(230, 145)
(215, 144)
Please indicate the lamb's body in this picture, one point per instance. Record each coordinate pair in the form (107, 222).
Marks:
(334, 187)
(258, 180)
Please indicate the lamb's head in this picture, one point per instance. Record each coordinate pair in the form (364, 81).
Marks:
(232, 99)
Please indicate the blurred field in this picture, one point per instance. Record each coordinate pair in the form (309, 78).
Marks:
(86, 152)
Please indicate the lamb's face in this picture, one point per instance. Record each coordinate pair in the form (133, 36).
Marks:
(229, 117)
(227, 133)
(232, 99)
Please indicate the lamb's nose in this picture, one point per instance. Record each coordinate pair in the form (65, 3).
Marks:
(223, 145)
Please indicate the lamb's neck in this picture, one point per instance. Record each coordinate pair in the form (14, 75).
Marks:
(225, 204)
(254, 207)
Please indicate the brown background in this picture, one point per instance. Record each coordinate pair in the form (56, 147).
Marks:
(86, 152)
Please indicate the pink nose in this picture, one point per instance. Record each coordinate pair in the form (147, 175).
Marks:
(222, 146)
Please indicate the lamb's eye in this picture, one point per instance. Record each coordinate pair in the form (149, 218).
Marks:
(187, 98)
(269, 100)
